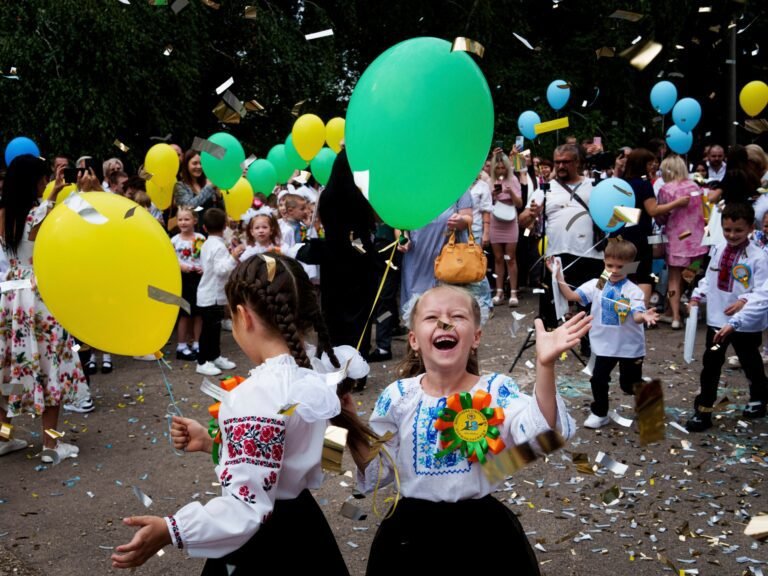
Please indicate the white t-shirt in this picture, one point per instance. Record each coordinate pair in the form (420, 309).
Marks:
(562, 210)
(610, 334)
(481, 202)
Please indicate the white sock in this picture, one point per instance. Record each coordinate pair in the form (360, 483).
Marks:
(182, 346)
(196, 346)
(106, 358)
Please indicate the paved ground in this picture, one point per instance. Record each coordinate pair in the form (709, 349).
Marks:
(682, 503)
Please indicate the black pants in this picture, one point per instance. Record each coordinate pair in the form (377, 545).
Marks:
(630, 372)
(747, 348)
(583, 270)
(210, 335)
(387, 302)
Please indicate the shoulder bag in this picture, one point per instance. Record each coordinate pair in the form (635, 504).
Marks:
(459, 262)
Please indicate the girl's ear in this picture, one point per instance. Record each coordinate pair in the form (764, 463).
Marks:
(412, 341)
(246, 315)
(476, 341)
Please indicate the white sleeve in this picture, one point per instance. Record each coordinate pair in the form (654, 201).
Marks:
(223, 261)
(486, 203)
(382, 421)
(538, 196)
(755, 311)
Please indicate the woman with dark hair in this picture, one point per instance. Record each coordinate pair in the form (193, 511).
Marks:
(741, 180)
(194, 189)
(639, 171)
(40, 371)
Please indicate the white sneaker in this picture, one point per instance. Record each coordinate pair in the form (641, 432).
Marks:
(82, 406)
(12, 446)
(61, 452)
(594, 421)
(224, 363)
(207, 369)
(146, 358)
(733, 362)
(226, 325)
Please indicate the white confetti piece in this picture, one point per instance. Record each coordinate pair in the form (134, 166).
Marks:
(321, 34)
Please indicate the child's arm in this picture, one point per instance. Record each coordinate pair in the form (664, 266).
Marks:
(549, 346)
(190, 436)
(649, 317)
(151, 537)
(570, 294)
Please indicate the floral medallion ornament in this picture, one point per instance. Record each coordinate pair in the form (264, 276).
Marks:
(622, 307)
(742, 273)
(467, 423)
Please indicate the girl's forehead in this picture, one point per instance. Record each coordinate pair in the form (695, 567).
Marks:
(445, 299)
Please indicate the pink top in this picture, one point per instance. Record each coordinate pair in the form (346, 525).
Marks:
(683, 219)
(509, 185)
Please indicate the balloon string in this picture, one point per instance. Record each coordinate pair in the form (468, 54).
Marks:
(173, 408)
(378, 294)
(396, 498)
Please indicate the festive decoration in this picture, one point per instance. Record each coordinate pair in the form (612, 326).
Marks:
(558, 93)
(262, 176)
(526, 123)
(295, 161)
(308, 135)
(605, 197)
(161, 166)
(467, 423)
(753, 97)
(238, 199)
(663, 96)
(322, 164)
(686, 114)
(278, 158)
(63, 193)
(19, 146)
(678, 140)
(334, 133)
(224, 172)
(742, 273)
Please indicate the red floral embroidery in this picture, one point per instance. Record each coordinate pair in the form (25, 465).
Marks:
(255, 440)
(270, 481)
(225, 477)
(246, 495)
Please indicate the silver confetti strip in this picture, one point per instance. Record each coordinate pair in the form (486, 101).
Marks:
(203, 145)
(143, 498)
(165, 297)
(83, 208)
(610, 464)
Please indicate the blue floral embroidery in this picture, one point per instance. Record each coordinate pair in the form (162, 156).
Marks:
(383, 403)
(401, 388)
(611, 294)
(508, 391)
(425, 445)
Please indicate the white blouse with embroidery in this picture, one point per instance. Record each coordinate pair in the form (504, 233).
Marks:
(404, 409)
(264, 456)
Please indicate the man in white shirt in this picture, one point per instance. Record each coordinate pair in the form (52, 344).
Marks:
(568, 227)
(716, 162)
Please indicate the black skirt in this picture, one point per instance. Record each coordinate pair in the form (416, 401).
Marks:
(296, 539)
(422, 536)
(189, 284)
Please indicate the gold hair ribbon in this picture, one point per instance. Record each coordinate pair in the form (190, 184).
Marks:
(271, 267)
(461, 44)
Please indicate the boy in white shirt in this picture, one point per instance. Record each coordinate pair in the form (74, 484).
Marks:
(613, 298)
(736, 268)
(217, 262)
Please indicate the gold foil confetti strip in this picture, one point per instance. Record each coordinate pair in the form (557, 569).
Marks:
(120, 145)
(642, 54)
(605, 52)
(55, 434)
(234, 102)
(144, 175)
(288, 409)
(649, 407)
(211, 4)
(349, 510)
(629, 216)
(610, 464)
(297, 107)
(627, 193)
(684, 235)
(225, 114)
(166, 297)
(603, 279)
(462, 44)
(517, 457)
(757, 527)
(627, 15)
(6, 432)
(203, 145)
(250, 13)
(611, 496)
(334, 441)
(130, 212)
(253, 106)
(551, 125)
(444, 325)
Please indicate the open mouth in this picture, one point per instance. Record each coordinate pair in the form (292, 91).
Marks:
(445, 342)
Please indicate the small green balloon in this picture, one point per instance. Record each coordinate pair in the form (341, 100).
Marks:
(279, 160)
(322, 164)
(224, 172)
(420, 121)
(262, 176)
(294, 160)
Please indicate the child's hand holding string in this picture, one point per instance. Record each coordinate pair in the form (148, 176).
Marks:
(550, 345)
(189, 435)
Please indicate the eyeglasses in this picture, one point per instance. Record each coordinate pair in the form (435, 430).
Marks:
(563, 162)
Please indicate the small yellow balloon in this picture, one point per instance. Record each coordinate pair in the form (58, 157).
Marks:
(238, 199)
(334, 133)
(754, 97)
(110, 309)
(161, 194)
(163, 163)
(66, 191)
(308, 136)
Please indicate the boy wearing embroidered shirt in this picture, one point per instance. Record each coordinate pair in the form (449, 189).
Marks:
(614, 340)
(735, 268)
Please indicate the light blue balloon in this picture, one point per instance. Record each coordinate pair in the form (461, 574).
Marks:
(526, 123)
(686, 114)
(556, 96)
(605, 197)
(19, 146)
(678, 140)
(663, 96)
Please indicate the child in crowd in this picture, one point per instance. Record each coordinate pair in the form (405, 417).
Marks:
(291, 222)
(614, 341)
(262, 235)
(217, 263)
(143, 200)
(736, 268)
(443, 488)
(268, 460)
(188, 245)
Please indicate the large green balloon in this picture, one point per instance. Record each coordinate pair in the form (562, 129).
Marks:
(322, 164)
(294, 160)
(262, 176)
(420, 121)
(279, 160)
(224, 172)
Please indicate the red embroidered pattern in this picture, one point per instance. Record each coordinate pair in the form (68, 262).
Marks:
(255, 440)
(270, 481)
(176, 532)
(225, 477)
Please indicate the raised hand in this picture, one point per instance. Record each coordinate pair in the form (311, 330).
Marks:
(550, 345)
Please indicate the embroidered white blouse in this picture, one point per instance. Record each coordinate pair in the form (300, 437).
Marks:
(264, 456)
(404, 409)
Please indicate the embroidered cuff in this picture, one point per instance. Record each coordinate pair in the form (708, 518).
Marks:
(173, 529)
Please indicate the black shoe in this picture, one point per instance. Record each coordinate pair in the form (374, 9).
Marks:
(91, 368)
(185, 354)
(106, 366)
(754, 410)
(701, 421)
(628, 389)
(379, 356)
(360, 384)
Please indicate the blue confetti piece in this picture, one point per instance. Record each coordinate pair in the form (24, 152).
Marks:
(108, 446)
(69, 483)
(144, 476)
(41, 467)
(132, 420)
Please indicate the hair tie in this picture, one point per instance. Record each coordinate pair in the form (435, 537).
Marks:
(271, 267)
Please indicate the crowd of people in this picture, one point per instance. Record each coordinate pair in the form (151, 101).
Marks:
(306, 263)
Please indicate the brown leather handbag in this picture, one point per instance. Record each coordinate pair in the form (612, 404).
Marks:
(459, 262)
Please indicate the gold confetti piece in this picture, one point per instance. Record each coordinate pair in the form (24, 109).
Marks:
(297, 107)
(130, 212)
(550, 441)
(250, 13)
(757, 527)
(517, 457)
(551, 125)
(234, 102)
(288, 409)
(605, 52)
(627, 15)
(610, 464)
(649, 407)
(321, 34)
(203, 145)
(756, 125)
(563, 356)
(564, 86)
(349, 510)
(165, 297)
(6, 432)
(604, 277)
(211, 4)
(55, 434)
(462, 44)
(179, 5)
(168, 50)
(684, 235)
(225, 114)
(120, 145)
(444, 325)
(611, 496)
(253, 106)
(642, 54)
(334, 441)
(627, 193)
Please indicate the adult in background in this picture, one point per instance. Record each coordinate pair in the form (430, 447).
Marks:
(507, 198)
(194, 189)
(741, 180)
(716, 166)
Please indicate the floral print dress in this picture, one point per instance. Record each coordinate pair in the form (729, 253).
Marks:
(39, 366)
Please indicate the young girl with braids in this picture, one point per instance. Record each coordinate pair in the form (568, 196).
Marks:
(447, 504)
(268, 459)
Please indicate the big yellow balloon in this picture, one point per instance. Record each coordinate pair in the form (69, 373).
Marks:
(96, 257)
(334, 133)
(754, 97)
(308, 136)
(66, 191)
(238, 199)
(163, 163)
